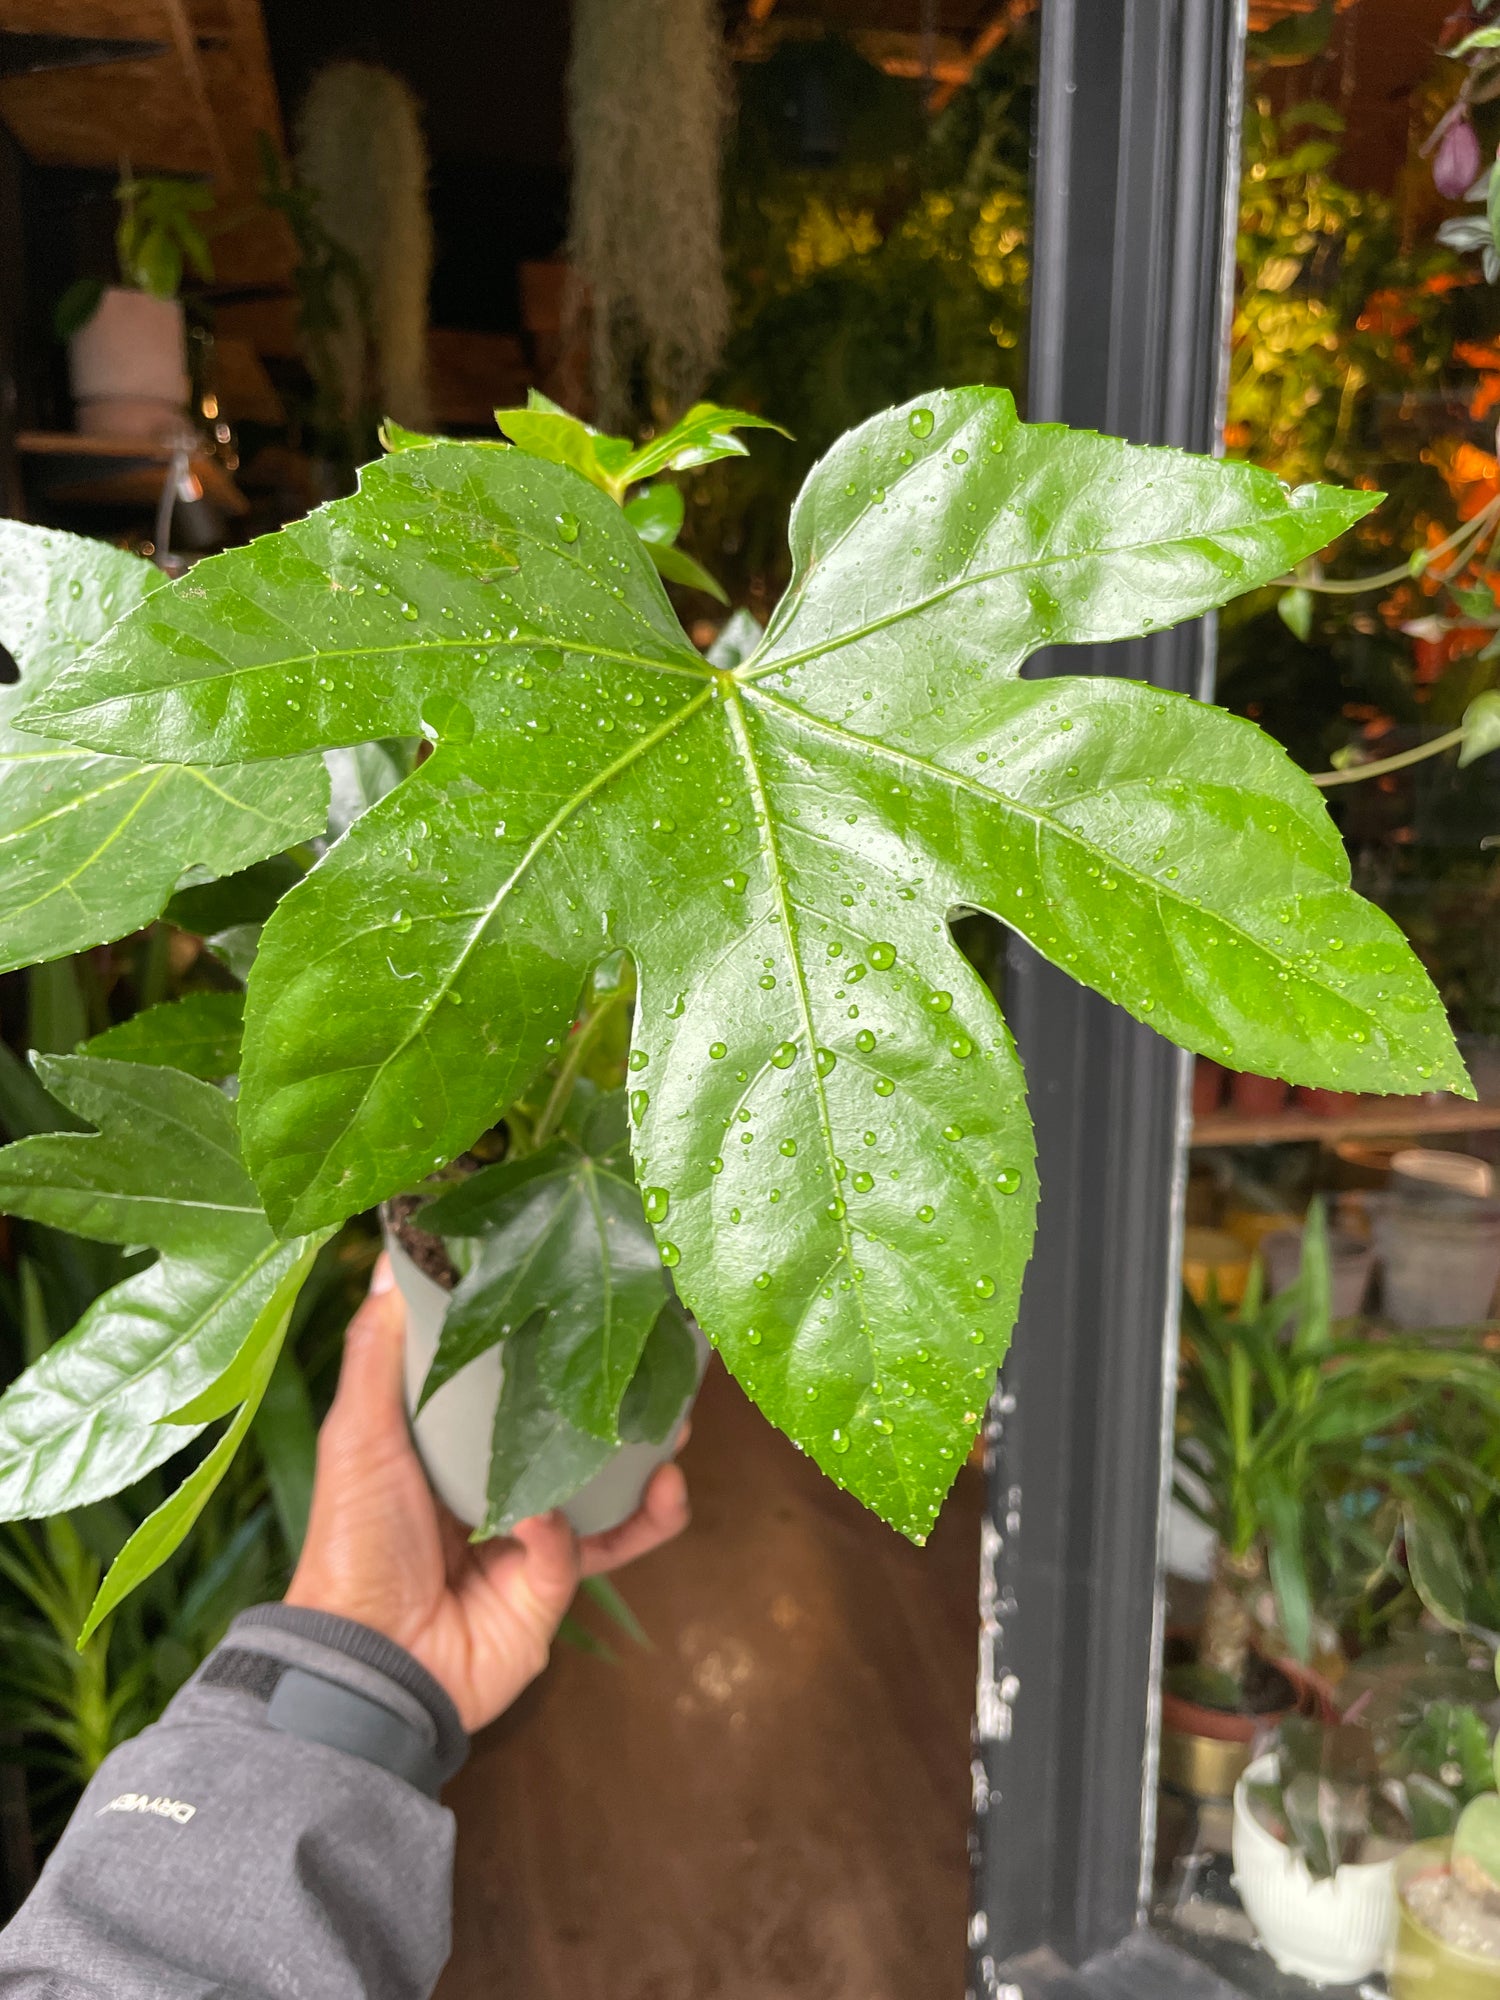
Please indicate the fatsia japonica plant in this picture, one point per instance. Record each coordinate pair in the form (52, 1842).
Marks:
(747, 863)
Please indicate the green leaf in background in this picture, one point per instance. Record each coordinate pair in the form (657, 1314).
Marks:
(829, 1117)
(560, 1233)
(677, 566)
(87, 1418)
(24, 1106)
(396, 437)
(361, 776)
(91, 846)
(1438, 1572)
(546, 430)
(163, 1531)
(1295, 609)
(705, 433)
(537, 1458)
(228, 913)
(664, 1379)
(612, 464)
(245, 898)
(1481, 38)
(1481, 726)
(198, 1034)
(656, 513)
(286, 1431)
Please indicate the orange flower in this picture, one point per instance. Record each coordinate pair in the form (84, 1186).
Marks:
(1386, 312)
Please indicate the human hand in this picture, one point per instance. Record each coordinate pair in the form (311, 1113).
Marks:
(382, 1549)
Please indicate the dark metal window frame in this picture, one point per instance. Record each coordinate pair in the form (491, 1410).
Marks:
(1136, 179)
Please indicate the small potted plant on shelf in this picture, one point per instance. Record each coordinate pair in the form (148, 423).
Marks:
(127, 358)
(1299, 1450)
(540, 778)
(1448, 1907)
(1320, 1820)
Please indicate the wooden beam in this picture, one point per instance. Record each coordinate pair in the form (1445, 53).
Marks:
(185, 41)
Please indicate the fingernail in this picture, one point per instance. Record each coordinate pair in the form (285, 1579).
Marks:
(382, 1277)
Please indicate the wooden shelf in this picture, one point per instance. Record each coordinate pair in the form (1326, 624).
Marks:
(118, 472)
(1376, 1118)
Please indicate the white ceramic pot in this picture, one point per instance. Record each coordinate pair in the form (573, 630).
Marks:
(453, 1430)
(1332, 1933)
(128, 368)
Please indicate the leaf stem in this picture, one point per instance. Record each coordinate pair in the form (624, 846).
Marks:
(1354, 586)
(567, 1072)
(1448, 741)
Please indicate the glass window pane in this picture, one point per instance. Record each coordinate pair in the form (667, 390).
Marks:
(1333, 1550)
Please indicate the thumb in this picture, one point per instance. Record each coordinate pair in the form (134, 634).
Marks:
(371, 1392)
(549, 1568)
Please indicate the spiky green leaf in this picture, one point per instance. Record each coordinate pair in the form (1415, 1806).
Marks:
(91, 846)
(87, 1418)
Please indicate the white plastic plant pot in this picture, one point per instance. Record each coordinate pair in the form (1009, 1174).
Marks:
(127, 366)
(1332, 1933)
(453, 1429)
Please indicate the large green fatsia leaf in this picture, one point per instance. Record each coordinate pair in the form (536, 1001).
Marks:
(826, 1103)
(86, 1419)
(91, 846)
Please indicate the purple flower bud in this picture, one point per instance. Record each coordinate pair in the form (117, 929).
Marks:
(1455, 165)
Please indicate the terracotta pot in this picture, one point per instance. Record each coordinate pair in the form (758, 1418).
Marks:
(1208, 1087)
(1257, 1096)
(1326, 1103)
(1206, 1751)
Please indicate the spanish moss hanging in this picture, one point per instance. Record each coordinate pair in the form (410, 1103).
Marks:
(360, 150)
(648, 91)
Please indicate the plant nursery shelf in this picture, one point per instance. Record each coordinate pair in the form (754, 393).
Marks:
(119, 472)
(1377, 1118)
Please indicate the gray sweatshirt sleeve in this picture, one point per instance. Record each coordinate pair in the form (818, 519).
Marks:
(277, 1832)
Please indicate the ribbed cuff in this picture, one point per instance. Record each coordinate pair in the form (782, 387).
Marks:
(381, 1655)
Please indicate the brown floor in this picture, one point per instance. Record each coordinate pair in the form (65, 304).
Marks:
(771, 1805)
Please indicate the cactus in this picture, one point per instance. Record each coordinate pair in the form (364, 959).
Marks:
(1476, 1840)
(1476, 1851)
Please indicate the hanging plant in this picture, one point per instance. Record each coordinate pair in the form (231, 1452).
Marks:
(647, 93)
(361, 155)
